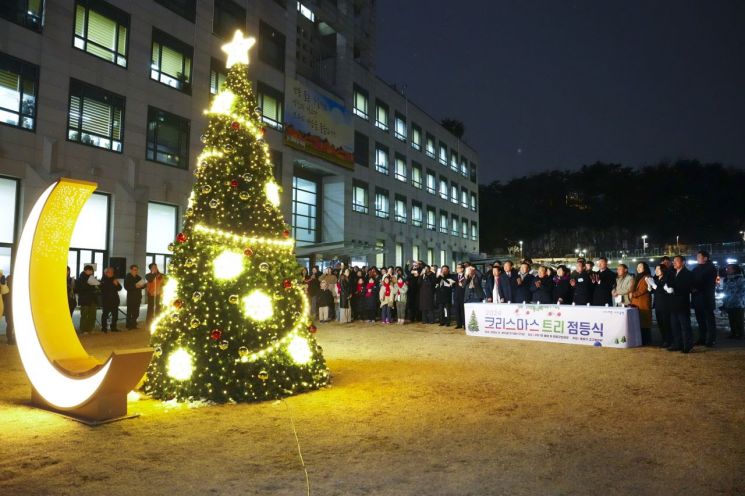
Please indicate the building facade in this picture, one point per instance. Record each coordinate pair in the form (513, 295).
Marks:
(114, 92)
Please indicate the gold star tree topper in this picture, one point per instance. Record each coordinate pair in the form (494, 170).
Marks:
(237, 49)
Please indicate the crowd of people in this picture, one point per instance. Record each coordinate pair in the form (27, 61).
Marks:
(419, 292)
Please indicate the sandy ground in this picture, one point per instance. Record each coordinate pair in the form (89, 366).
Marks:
(418, 410)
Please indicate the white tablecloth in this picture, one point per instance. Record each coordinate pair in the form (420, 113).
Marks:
(615, 327)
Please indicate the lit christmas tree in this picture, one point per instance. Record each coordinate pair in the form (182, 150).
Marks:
(234, 325)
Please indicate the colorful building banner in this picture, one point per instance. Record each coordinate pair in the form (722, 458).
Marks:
(318, 124)
(614, 327)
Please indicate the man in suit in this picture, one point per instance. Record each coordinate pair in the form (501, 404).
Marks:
(110, 287)
(704, 283)
(511, 276)
(133, 283)
(581, 284)
(604, 281)
(459, 293)
(445, 285)
(678, 286)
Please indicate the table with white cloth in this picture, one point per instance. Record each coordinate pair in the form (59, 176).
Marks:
(614, 327)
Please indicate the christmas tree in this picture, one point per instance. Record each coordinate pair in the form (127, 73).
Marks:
(235, 325)
(473, 324)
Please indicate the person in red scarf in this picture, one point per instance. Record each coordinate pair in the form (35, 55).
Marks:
(358, 300)
(371, 300)
(387, 300)
(401, 290)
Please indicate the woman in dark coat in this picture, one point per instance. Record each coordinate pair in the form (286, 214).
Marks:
(562, 288)
(358, 299)
(543, 287)
(427, 283)
(371, 300)
(343, 290)
(662, 307)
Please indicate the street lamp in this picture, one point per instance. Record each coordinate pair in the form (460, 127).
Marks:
(644, 243)
(521, 249)
(677, 244)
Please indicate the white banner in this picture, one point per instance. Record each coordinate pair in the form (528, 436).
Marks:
(614, 327)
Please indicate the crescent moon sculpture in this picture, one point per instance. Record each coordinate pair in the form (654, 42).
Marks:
(64, 377)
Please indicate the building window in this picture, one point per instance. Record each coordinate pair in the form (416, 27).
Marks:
(429, 148)
(380, 253)
(27, 13)
(9, 195)
(95, 117)
(415, 252)
(185, 8)
(218, 75)
(382, 204)
(454, 193)
(464, 229)
(453, 160)
(276, 157)
(162, 225)
(464, 166)
(167, 138)
(360, 102)
(473, 201)
(101, 30)
(89, 242)
(474, 231)
(443, 222)
(416, 137)
(170, 62)
(443, 154)
(416, 214)
(473, 172)
(381, 115)
(361, 149)
(271, 46)
(306, 12)
(443, 188)
(416, 175)
(431, 183)
(271, 103)
(400, 171)
(455, 225)
(430, 256)
(359, 197)
(304, 210)
(399, 127)
(228, 17)
(19, 82)
(400, 209)
(431, 215)
(381, 159)
(464, 197)
(399, 254)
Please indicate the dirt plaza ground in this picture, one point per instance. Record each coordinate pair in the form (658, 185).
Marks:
(413, 410)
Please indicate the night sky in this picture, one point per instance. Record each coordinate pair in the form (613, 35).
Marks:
(551, 84)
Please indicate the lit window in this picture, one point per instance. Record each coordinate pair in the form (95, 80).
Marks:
(443, 154)
(400, 171)
(415, 252)
(380, 253)
(95, 117)
(453, 160)
(271, 103)
(381, 115)
(101, 30)
(306, 12)
(27, 13)
(443, 222)
(464, 197)
(443, 188)
(430, 146)
(431, 183)
(464, 167)
(218, 75)
(162, 223)
(381, 159)
(416, 137)
(464, 229)
(416, 214)
(416, 175)
(473, 201)
(430, 256)
(400, 210)
(474, 231)
(382, 204)
(454, 193)
(19, 82)
(170, 62)
(359, 197)
(431, 214)
(360, 103)
(454, 226)
(399, 130)
(167, 138)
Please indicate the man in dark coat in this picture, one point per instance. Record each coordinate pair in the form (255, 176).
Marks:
(498, 288)
(412, 300)
(427, 282)
(110, 287)
(474, 293)
(604, 281)
(523, 283)
(459, 293)
(704, 276)
(133, 283)
(86, 287)
(511, 272)
(679, 287)
(543, 287)
(445, 285)
(581, 284)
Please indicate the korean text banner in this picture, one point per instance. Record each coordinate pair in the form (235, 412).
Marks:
(318, 124)
(615, 327)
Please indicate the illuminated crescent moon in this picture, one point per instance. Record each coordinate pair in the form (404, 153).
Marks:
(61, 372)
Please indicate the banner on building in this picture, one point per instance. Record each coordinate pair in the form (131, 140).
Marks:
(319, 124)
(615, 327)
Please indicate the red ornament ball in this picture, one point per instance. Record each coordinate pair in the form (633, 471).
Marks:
(216, 334)
(178, 303)
(233, 183)
(287, 283)
(286, 233)
(248, 252)
(235, 125)
(181, 237)
(312, 329)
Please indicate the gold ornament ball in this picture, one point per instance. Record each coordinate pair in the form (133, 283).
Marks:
(196, 296)
(223, 345)
(214, 203)
(243, 195)
(242, 351)
(158, 351)
(264, 267)
(170, 246)
(264, 375)
(194, 323)
(206, 188)
(233, 299)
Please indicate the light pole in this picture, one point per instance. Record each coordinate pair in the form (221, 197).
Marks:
(677, 244)
(644, 243)
(521, 250)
